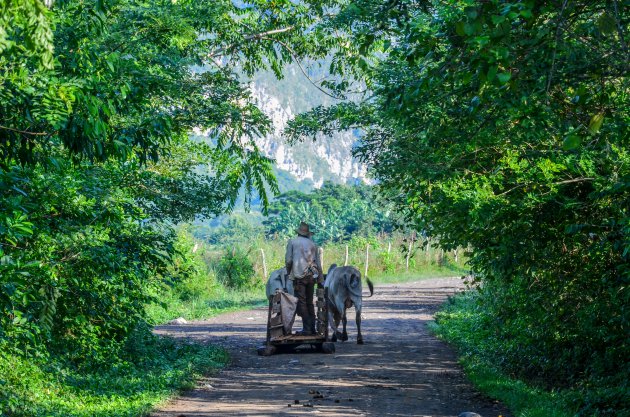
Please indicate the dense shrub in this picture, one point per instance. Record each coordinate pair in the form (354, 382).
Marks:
(79, 271)
(498, 356)
(235, 270)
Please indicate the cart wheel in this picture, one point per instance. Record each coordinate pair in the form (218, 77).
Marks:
(328, 347)
(266, 350)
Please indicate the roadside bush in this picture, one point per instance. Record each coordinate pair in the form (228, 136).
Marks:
(501, 360)
(235, 269)
(76, 270)
(188, 276)
(387, 261)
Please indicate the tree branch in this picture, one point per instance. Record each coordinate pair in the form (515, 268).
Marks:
(555, 46)
(25, 132)
(299, 64)
(620, 33)
(571, 181)
(251, 37)
(583, 179)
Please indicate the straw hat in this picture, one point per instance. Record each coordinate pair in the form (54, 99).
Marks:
(304, 230)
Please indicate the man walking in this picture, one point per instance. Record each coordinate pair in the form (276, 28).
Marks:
(304, 268)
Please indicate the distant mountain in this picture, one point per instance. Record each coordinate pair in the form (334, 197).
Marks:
(328, 158)
(302, 166)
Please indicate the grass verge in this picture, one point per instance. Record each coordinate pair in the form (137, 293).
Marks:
(53, 387)
(459, 324)
(205, 304)
(427, 272)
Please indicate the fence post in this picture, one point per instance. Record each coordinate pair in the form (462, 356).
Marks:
(367, 258)
(409, 251)
(264, 263)
(346, 261)
(389, 247)
(455, 253)
(439, 256)
(321, 257)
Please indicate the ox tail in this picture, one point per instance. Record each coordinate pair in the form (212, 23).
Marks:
(370, 286)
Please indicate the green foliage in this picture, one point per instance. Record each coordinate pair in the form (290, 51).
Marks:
(235, 270)
(502, 126)
(236, 229)
(77, 272)
(466, 323)
(97, 101)
(25, 31)
(123, 79)
(335, 212)
(499, 126)
(148, 372)
(387, 260)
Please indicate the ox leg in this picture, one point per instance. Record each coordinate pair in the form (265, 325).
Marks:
(344, 319)
(359, 336)
(333, 322)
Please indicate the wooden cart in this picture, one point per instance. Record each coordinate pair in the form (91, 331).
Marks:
(278, 340)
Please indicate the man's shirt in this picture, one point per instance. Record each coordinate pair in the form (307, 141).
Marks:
(302, 258)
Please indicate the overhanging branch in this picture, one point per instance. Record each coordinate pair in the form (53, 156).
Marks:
(260, 35)
(24, 132)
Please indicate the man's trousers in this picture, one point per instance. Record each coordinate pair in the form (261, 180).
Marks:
(304, 289)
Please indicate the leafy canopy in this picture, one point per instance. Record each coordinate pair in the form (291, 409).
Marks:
(97, 102)
(503, 126)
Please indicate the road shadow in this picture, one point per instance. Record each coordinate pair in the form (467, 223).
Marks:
(402, 370)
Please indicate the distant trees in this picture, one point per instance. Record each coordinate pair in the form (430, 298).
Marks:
(235, 229)
(335, 212)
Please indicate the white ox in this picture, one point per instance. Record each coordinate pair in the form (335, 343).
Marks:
(278, 279)
(344, 291)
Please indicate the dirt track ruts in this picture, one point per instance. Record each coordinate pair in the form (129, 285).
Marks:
(401, 370)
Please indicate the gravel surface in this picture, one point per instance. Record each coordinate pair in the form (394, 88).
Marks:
(401, 370)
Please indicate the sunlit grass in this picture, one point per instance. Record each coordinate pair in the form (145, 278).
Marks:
(427, 272)
(459, 323)
(206, 305)
(54, 387)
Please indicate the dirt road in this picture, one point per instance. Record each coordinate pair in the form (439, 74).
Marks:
(401, 370)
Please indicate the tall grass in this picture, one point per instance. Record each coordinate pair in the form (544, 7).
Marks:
(196, 292)
(386, 257)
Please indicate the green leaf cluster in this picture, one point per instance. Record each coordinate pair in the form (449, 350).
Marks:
(503, 126)
(118, 120)
(235, 270)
